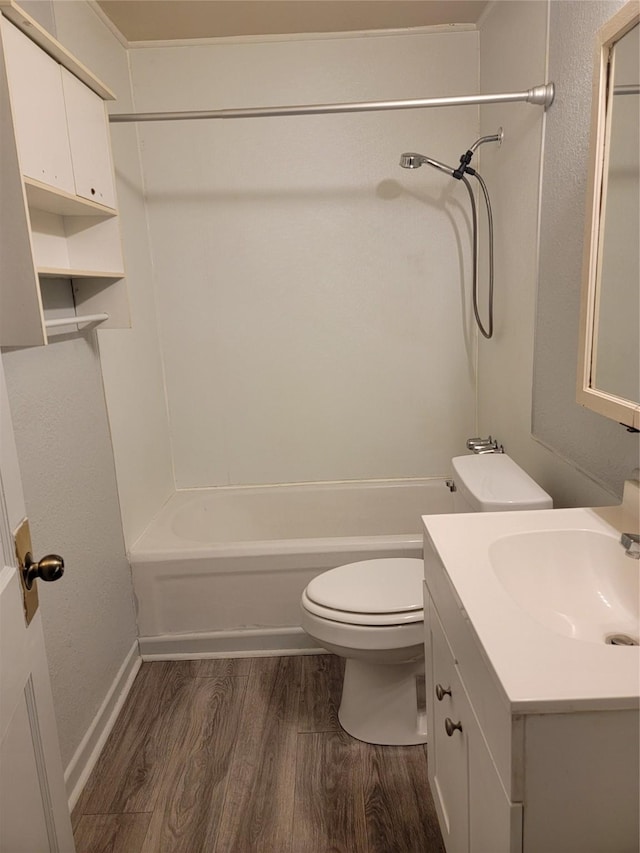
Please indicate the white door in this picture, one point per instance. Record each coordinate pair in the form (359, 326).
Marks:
(34, 814)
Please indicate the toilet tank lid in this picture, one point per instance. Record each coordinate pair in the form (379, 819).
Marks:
(494, 482)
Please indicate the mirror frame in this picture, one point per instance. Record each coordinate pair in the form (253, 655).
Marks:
(611, 406)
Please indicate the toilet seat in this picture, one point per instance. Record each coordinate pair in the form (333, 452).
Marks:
(370, 592)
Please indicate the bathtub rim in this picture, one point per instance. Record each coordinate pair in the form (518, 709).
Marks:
(158, 540)
(271, 547)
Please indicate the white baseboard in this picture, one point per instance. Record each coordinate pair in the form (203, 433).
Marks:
(88, 752)
(249, 642)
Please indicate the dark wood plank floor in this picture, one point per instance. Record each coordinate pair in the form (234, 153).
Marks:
(246, 755)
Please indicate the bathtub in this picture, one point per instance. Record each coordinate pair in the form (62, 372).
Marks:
(220, 572)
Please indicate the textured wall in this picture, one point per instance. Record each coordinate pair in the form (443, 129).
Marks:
(596, 445)
(65, 456)
(310, 291)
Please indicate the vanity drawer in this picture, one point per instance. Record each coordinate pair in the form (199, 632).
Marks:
(502, 731)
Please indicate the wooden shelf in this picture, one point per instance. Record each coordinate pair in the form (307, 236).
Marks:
(52, 200)
(55, 272)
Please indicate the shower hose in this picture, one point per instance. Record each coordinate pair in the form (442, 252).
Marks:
(488, 331)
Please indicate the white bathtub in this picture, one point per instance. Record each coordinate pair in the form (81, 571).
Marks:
(220, 571)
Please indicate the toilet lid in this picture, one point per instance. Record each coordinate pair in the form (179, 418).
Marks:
(384, 587)
(365, 620)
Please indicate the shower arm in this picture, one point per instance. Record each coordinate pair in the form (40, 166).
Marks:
(465, 158)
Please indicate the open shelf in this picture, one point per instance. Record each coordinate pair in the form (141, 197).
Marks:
(56, 272)
(75, 320)
(53, 200)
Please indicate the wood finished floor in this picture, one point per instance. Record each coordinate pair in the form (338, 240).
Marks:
(246, 755)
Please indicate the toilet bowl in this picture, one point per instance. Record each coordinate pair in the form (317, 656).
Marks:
(371, 613)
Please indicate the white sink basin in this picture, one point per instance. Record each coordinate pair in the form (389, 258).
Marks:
(577, 583)
(542, 590)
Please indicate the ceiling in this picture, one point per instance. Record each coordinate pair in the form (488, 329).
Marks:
(150, 20)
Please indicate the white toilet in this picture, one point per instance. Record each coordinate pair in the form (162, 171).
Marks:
(371, 613)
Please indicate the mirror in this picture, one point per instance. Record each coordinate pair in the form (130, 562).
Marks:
(609, 357)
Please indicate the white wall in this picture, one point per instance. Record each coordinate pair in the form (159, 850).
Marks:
(310, 291)
(513, 56)
(65, 456)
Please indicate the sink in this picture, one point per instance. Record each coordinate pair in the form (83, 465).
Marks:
(543, 592)
(576, 583)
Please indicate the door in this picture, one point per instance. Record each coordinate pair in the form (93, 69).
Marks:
(34, 814)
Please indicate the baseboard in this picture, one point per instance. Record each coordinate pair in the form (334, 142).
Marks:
(249, 642)
(87, 754)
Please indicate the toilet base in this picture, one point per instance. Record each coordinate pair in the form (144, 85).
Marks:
(380, 702)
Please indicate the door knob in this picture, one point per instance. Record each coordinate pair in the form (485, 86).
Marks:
(49, 568)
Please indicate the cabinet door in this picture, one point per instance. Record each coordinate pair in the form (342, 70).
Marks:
(89, 141)
(448, 750)
(495, 823)
(37, 104)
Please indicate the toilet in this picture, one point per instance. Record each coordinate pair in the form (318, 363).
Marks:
(371, 612)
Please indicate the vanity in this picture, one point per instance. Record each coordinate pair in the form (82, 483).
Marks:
(534, 742)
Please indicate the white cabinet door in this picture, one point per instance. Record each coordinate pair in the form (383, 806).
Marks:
(37, 100)
(495, 824)
(448, 753)
(89, 141)
(34, 815)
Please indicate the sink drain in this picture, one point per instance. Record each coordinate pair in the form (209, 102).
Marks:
(621, 640)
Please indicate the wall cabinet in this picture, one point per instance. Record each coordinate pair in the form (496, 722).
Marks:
(59, 219)
(503, 782)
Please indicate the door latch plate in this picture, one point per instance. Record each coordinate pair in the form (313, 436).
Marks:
(22, 539)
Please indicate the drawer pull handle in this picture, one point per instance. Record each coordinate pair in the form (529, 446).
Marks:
(441, 692)
(451, 727)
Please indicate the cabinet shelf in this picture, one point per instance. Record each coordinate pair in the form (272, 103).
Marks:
(53, 200)
(76, 320)
(56, 272)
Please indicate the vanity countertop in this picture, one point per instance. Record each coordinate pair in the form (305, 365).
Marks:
(537, 669)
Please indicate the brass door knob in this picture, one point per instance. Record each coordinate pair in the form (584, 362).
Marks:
(49, 568)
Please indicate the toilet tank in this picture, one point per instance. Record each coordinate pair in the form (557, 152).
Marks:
(492, 482)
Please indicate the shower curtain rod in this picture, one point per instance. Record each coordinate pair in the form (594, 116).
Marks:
(540, 95)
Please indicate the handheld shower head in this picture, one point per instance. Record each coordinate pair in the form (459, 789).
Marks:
(411, 160)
